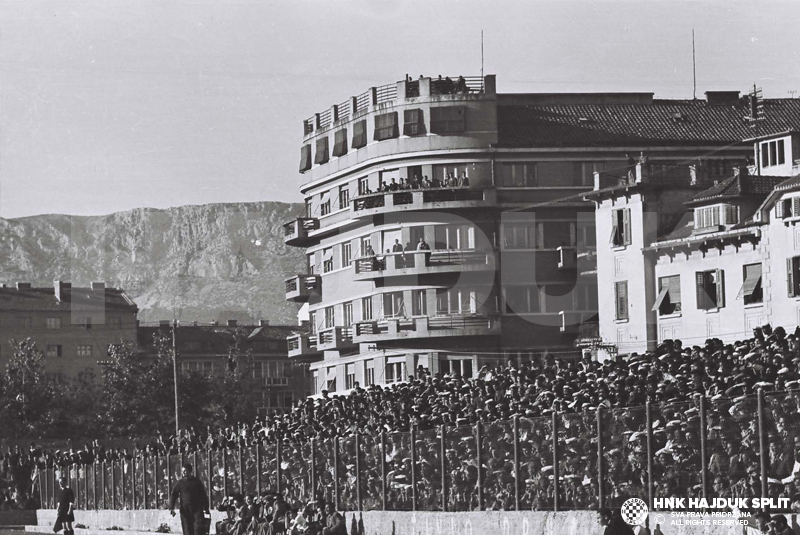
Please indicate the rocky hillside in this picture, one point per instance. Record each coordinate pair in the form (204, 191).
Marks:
(209, 262)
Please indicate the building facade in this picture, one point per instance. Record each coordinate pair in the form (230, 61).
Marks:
(706, 259)
(448, 227)
(205, 348)
(73, 327)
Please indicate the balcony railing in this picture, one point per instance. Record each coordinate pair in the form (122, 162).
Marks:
(302, 345)
(422, 262)
(335, 338)
(303, 287)
(571, 321)
(297, 232)
(567, 257)
(427, 326)
(417, 199)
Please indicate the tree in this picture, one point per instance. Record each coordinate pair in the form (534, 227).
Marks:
(237, 394)
(26, 395)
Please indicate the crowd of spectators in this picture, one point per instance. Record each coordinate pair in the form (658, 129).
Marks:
(671, 378)
(449, 180)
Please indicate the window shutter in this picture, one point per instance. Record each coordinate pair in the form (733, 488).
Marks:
(622, 300)
(321, 155)
(412, 122)
(305, 158)
(700, 279)
(359, 134)
(614, 226)
(720, 288)
(340, 142)
(790, 263)
(779, 209)
(573, 234)
(795, 206)
(626, 226)
(539, 236)
(675, 290)
(385, 126)
(731, 214)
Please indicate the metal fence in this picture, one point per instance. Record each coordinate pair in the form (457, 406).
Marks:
(747, 446)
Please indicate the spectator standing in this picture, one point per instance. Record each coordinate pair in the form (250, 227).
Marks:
(66, 500)
(194, 502)
(334, 522)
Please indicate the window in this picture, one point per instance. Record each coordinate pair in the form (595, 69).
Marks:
(363, 185)
(457, 366)
(522, 299)
(783, 208)
(359, 134)
(53, 323)
(772, 153)
(621, 227)
(330, 379)
(621, 300)
(413, 123)
(393, 305)
(305, 158)
(369, 373)
(366, 308)
(519, 236)
(325, 203)
(556, 234)
(85, 322)
(330, 317)
(394, 372)
(114, 322)
(24, 322)
(84, 351)
(311, 263)
(350, 376)
(710, 289)
(554, 174)
(456, 301)
(366, 245)
(321, 156)
(456, 237)
(584, 172)
(793, 275)
(419, 303)
(312, 319)
(386, 126)
(751, 287)
(347, 255)
(327, 260)
(455, 172)
(288, 400)
(344, 196)
(448, 119)
(669, 296)
(518, 174)
(315, 380)
(340, 142)
(347, 319)
(710, 216)
(53, 350)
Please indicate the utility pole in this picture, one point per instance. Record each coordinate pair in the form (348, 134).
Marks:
(175, 375)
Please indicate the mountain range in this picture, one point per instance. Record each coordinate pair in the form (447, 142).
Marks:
(210, 262)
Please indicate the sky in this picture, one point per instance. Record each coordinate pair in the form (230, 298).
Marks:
(111, 105)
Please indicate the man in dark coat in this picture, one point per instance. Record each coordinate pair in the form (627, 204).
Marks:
(194, 502)
(614, 523)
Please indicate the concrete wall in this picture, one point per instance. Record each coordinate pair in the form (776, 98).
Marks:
(423, 523)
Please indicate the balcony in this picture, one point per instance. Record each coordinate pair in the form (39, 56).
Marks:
(572, 322)
(421, 199)
(423, 263)
(303, 347)
(586, 263)
(335, 338)
(567, 257)
(296, 232)
(301, 288)
(427, 327)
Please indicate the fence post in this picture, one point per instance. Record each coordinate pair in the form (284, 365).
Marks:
(313, 469)
(133, 481)
(103, 483)
(169, 476)
(258, 467)
(703, 446)
(600, 481)
(442, 453)
(224, 470)
(413, 437)
(113, 484)
(556, 474)
(336, 473)
(209, 476)
(516, 463)
(86, 486)
(144, 480)
(478, 458)
(278, 470)
(241, 471)
(156, 480)
(383, 469)
(648, 413)
(358, 471)
(123, 466)
(762, 442)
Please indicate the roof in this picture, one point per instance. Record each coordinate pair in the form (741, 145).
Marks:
(661, 122)
(216, 339)
(683, 235)
(34, 299)
(739, 186)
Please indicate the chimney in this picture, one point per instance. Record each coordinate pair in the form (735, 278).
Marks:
(62, 289)
(98, 286)
(722, 98)
(232, 323)
(23, 286)
(263, 323)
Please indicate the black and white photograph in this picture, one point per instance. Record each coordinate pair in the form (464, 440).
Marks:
(366, 267)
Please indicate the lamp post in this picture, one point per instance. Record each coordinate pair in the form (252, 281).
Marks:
(175, 374)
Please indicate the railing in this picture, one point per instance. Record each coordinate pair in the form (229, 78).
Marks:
(344, 110)
(374, 200)
(450, 85)
(450, 195)
(386, 93)
(295, 342)
(362, 102)
(436, 258)
(305, 223)
(329, 336)
(459, 321)
(406, 196)
(696, 448)
(325, 118)
(291, 284)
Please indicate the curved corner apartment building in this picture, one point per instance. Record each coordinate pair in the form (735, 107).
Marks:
(492, 185)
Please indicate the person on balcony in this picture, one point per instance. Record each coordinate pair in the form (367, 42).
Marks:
(394, 186)
(426, 183)
(423, 246)
(463, 180)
